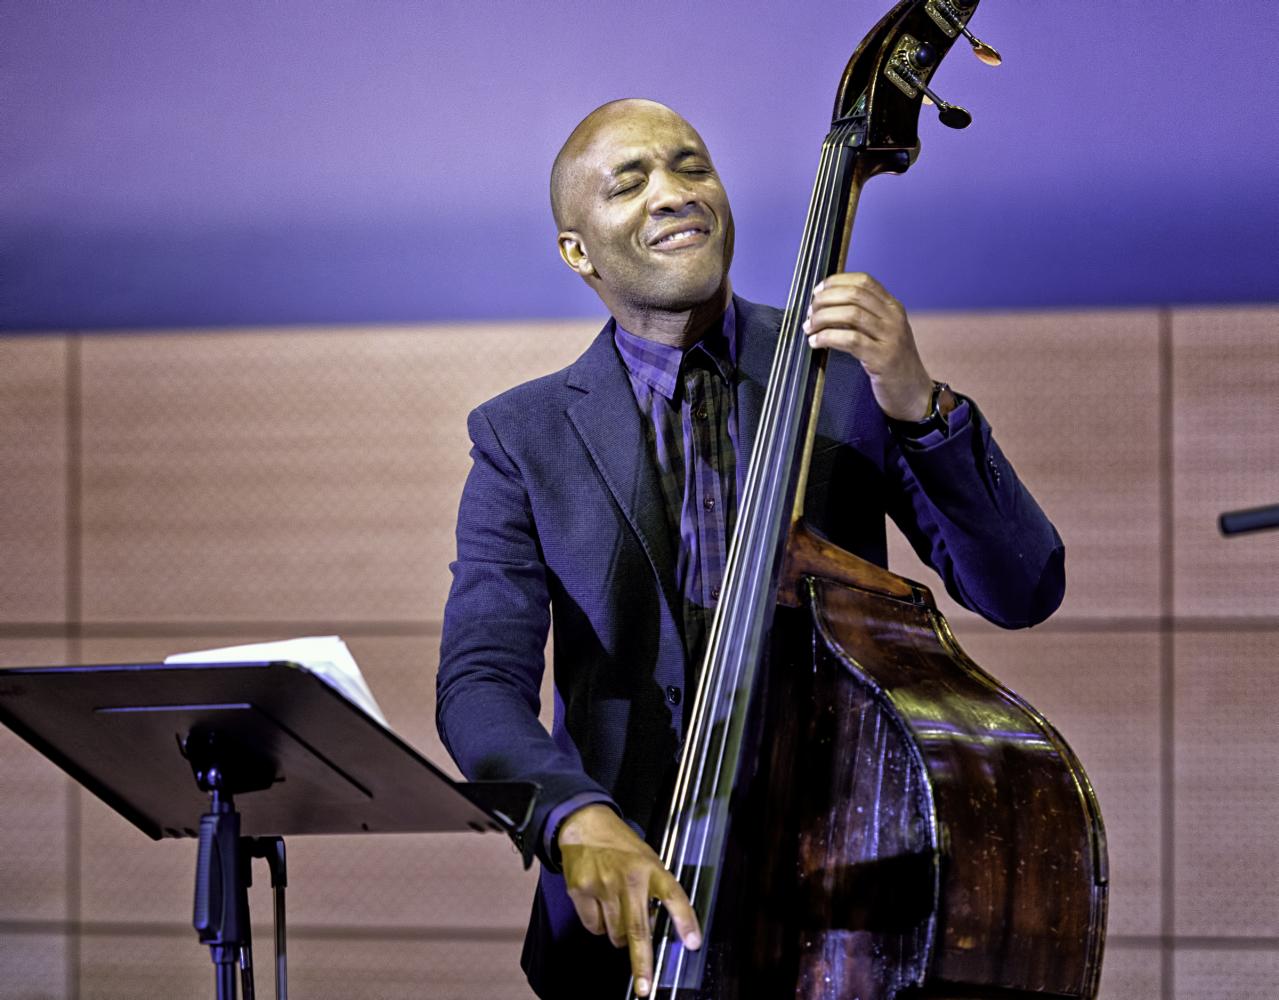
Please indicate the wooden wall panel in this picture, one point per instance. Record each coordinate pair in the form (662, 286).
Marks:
(1226, 974)
(126, 877)
(1130, 973)
(140, 966)
(354, 969)
(1073, 400)
(308, 475)
(33, 479)
(161, 967)
(1101, 691)
(33, 966)
(34, 796)
(1226, 380)
(1227, 783)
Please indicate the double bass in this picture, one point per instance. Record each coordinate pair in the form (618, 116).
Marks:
(860, 811)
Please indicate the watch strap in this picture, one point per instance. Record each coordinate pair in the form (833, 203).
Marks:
(934, 420)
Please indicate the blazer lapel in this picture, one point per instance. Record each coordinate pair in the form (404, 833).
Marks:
(608, 421)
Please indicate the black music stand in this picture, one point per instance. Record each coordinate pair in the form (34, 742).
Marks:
(277, 752)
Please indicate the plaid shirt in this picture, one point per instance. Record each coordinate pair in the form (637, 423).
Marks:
(686, 399)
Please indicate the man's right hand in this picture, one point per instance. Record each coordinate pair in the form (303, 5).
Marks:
(611, 875)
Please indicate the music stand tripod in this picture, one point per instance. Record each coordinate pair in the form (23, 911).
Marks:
(277, 751)
(223, 870)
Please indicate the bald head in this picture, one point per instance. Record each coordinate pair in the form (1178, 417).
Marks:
(566, 177)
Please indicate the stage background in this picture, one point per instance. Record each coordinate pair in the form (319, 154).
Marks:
(257, 262)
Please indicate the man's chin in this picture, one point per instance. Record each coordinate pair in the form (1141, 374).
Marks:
(711, 293)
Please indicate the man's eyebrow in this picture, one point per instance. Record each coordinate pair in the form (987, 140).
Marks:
(627, 167)
(637, 163)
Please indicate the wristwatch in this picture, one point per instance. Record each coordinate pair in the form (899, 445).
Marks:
(934, 420)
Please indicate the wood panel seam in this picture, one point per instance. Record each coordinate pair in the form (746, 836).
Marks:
(1167, 654)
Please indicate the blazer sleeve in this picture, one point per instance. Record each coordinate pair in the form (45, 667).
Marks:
(966, 513)
(492, 648)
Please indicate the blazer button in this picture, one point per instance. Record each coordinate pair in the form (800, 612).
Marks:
(673, 694)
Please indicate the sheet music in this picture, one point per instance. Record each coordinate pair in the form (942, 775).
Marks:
(326, 656)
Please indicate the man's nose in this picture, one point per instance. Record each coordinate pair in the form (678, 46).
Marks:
(669, 192)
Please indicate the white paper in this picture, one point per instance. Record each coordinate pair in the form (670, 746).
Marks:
(326, 656)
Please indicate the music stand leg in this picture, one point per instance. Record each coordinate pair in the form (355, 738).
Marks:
(272, 849)
(221, 916)
(281, 960)
(246, 965)
(224, 975)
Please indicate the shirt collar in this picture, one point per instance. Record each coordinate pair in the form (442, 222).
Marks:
(659, 365)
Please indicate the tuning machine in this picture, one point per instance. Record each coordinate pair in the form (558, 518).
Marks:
(949, 16)
(910, 61)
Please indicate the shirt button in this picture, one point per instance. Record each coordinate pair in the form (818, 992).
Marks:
(709, 503)
(715, 593)
(700, 413)
(673, 694)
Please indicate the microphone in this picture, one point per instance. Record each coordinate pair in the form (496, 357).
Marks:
(1237, 522)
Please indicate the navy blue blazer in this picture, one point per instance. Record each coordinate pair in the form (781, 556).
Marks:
(562, 526)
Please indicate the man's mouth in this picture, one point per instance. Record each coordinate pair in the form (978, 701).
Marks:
(680, 238)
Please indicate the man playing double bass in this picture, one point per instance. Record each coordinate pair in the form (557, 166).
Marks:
(602, 499)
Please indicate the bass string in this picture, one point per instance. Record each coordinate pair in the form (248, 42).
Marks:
(713, 672)
(786, 419)
(705, 839)
(792, 376)
(789, 376)
(777, 387)
(711, 685)
(787, 385)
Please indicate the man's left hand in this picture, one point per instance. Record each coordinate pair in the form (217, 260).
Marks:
(852, 312)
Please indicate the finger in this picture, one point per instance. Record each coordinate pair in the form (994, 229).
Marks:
(846, 317)
(854, 279)
(673, 897)
(615, 921)
(588, 911)
(639, 935)
(863, 348)
(862, 298)
(857, 287)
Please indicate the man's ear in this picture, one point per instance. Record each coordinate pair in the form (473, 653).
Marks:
(573, 253)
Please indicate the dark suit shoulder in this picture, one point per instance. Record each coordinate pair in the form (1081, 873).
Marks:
(535, 392)
(756, 314)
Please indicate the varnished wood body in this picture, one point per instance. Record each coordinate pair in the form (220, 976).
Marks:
(913, 828)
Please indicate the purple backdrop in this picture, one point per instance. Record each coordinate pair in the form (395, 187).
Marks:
(296, 161)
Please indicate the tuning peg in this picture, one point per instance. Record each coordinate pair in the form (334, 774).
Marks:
(951, 115)
(986, 53)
